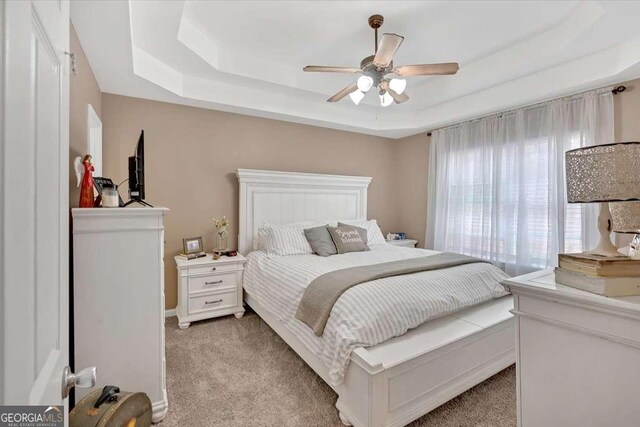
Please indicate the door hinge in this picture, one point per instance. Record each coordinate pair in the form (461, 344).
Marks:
(73, 62)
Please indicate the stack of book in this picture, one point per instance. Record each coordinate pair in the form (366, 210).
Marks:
(608, 276)
(193, 256)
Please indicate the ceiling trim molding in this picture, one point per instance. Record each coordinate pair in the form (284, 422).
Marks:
(199, 70)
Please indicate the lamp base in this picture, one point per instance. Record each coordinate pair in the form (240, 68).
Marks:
(605, 247)
(605, 250)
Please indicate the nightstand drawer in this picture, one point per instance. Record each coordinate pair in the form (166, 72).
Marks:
(212, 282)
(213, 302)
(213, 269)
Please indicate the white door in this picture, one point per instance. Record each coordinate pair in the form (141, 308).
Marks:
(34, 208)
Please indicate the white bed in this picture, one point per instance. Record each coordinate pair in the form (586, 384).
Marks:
(398, 380)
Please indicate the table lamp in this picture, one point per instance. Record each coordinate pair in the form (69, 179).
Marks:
(601, 174)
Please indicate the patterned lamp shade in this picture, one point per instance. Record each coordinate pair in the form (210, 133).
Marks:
(603, 173)
(626, 217)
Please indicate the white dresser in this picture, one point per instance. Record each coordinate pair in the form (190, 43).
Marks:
(118, 275)
(577, 355)
(209, 288)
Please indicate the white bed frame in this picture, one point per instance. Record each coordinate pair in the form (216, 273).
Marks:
(398, 381)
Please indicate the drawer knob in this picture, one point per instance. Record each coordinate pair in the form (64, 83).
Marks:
(213, 269)
(213, 283)
(213, 302)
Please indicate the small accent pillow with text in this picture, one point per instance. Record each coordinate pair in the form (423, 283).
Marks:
(347, 239)
(374, 235)
(360, 230)
(286, 239)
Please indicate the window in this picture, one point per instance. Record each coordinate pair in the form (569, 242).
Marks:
(497, 187)
(476, 198)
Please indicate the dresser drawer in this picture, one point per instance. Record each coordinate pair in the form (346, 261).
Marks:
(219, 268)
(202, 303)
(598, 322)
(212, 282)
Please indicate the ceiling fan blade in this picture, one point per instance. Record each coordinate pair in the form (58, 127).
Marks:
(388, 46)
(399, 98)
(426, 69)
(344, 92)
(328, 69)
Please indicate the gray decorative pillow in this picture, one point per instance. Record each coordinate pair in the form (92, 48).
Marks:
(362, 231)
(347, 239)
(320, 241)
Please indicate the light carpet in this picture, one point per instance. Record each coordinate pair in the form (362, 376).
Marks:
(230, 372)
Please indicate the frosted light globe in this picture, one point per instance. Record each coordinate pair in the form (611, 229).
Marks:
(398, 85)
(356, 96)
(385, 99)
(365, 83)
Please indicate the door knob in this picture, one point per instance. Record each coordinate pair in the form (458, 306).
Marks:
(86, 378)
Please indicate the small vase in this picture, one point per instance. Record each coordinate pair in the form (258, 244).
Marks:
(221, 241)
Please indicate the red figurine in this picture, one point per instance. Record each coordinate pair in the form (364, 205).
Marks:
(86, 191)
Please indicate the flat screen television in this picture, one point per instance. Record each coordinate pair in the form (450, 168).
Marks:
(136, 174)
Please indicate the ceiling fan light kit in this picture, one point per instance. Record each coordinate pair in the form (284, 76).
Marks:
(364, 83)
(398, 85)
(356, 96)
(385, 98)
(375, 68)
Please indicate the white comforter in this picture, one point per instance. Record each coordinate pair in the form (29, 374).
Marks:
(369, 313)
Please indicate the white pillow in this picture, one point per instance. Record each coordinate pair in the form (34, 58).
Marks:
(285, 239)
(374, 234)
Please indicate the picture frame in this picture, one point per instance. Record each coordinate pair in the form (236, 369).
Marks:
(192, 245)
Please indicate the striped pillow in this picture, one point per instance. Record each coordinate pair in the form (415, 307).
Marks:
(286, 239)
(374, 234)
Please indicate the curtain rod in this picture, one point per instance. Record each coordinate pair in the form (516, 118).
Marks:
(616, 90)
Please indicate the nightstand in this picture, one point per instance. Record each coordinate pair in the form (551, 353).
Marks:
(209, 288)
(407, 243)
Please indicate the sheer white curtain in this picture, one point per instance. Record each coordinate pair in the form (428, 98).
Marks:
(497, 185)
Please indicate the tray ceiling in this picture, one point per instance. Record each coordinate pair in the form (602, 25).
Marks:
(247, 56)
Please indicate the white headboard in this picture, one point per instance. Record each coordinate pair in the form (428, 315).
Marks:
(287, 197)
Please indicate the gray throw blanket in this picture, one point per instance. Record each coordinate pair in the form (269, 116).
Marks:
(323, 292)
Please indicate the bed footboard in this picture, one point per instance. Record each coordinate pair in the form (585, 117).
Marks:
(387, 385)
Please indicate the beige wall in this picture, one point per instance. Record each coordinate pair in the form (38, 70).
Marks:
(191, 155)
(627, 112)
(412, 159)
(83, 90)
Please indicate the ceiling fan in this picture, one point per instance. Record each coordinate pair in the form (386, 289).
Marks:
(375, 68)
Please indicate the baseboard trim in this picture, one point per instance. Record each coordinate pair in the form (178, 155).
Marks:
(159, 409)
(170, 313)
